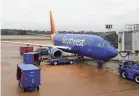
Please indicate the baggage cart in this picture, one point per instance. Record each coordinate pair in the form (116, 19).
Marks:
(26, 49)
(28, 77)
(32, 58)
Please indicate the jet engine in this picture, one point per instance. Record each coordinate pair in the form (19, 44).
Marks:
(55, 53)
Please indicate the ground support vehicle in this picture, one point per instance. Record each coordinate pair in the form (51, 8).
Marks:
(64, 60)
(28, 77)
(129, 69)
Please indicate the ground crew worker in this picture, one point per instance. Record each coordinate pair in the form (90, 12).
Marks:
(40, 59)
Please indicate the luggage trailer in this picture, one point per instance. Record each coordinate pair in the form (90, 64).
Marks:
(32, 58)
(28, 77)
(25, 49)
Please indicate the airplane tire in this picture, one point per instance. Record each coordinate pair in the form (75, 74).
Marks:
(136, 79)
(55, 63)
(24, 89)
(71, 62)
(99, 65)
(38, 88)
(123, 74)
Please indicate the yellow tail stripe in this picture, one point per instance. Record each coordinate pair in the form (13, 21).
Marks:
(53, 29)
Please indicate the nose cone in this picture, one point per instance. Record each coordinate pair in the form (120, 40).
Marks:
(113, 53)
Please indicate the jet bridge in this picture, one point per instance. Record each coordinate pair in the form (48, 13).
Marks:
(128, 41)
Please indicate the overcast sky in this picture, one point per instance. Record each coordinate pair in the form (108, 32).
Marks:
(69, 14)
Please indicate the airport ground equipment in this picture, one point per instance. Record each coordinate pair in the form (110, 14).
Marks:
(28, 77)
(32, 58)
(129, 69)
(43, 51)
(64, 60)
(25, 49)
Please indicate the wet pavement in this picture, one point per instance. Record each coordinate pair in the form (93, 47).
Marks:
(63, 80)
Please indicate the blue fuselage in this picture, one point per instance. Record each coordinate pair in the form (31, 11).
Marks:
(87, 45)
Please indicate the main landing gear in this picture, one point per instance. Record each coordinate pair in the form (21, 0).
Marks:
(81, 57)
(100, 63)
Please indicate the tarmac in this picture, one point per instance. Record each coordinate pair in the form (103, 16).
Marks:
(81, 79)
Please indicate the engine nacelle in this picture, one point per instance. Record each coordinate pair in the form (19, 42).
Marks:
(55, 53)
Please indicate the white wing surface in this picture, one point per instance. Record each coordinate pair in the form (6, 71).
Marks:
(41, 45)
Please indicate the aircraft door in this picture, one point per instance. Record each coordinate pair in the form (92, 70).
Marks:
(89, 46)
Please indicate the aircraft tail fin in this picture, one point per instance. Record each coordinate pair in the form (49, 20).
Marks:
(52, 25)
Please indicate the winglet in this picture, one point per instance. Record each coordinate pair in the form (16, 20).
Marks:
(52, 25)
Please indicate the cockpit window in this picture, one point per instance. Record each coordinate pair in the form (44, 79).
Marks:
(103, 44)
(99, 44)
(107, 45)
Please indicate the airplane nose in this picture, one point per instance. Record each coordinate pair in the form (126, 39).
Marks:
(113, 53)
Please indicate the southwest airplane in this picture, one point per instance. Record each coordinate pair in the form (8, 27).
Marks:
(82, 44)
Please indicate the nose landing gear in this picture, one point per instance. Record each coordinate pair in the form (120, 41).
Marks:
(100, 63)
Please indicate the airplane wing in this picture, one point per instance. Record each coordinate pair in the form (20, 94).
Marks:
(41, 45)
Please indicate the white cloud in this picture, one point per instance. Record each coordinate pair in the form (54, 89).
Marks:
(69, 14)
